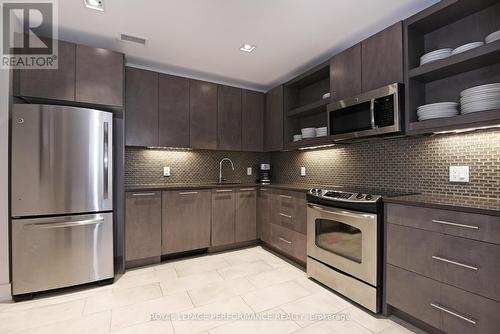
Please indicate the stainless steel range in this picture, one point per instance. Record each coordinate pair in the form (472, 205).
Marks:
(344, 243)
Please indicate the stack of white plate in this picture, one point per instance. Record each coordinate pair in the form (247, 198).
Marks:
(435, 55)
(467, 47)
(308, 133)
(493, 37)
(480, 98)
(437, 110)
(321, 132)
(297, 137)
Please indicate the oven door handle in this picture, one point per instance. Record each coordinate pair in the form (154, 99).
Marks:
(341, 213)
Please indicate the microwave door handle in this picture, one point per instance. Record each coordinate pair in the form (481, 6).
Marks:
(372, 114)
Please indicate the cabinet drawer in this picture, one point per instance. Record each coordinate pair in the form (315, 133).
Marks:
(289, 242)
(464, 312)
(468, 264)
(290, 209)
(413, 294)
(461, 224)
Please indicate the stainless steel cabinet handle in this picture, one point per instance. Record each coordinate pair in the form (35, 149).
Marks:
(285, 196)
(286, 241)
(264, 189)
(106, 161)
(439, 307)
(442, 222)
(144, 194)
(189, 193)
(247, 189)
(224, 190)
(69, 224)
(454, 262)
(286, 216)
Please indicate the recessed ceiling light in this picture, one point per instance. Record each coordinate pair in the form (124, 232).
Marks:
(247, 48)
(94, 4)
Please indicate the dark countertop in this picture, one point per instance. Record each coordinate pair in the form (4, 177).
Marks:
(480, 205)
(185, 186)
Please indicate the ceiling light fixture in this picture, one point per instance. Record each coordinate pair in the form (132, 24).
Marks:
(94, 4)
(247, 48)
(132, 39)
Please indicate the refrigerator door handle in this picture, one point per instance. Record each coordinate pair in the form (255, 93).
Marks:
(106, 161)
(86, 222)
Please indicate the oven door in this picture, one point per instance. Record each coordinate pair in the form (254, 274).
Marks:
(345, 240)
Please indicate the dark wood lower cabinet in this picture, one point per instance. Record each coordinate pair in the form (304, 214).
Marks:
(142, 225)
(264, 214)
(185, 220)
(289, 242)
(223, 217)
(246, 215)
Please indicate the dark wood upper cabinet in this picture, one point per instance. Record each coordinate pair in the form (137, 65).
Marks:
(229, 118)
(345, 74)
(203, 114)
(99, 76)
(57, 84)
(141, 107)
(273, 134)
(252, 121)
(173, 106)
(246, 215)
(382, 58)
(143, 225)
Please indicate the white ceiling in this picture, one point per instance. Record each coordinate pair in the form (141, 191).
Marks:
(201, 38)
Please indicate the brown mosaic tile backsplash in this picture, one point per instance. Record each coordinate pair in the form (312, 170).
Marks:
(145, 166)
(410, 164)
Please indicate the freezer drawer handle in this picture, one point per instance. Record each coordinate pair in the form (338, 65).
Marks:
(439, 307)
(286, 241)
(69, 224)
(455, 263)
(455, 224)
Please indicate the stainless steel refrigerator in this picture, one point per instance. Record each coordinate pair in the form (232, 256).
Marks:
(61, 197)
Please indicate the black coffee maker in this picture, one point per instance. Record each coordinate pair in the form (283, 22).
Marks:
(264, 174)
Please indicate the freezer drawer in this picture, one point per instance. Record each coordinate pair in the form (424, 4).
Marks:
(62, 160)
(50, 253)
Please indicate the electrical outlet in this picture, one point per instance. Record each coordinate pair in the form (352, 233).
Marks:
(302, 171)
(166, 171)
(459, 174)
(249, 170)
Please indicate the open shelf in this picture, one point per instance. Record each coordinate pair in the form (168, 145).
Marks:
(309, 109)
(317, 141)
(472, 120)
(482, 56)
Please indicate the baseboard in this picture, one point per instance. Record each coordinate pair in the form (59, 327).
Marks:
(5, 292)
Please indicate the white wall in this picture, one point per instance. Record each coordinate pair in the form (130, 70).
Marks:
(4, 158)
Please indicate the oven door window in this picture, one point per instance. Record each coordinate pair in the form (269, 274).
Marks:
(339, 238)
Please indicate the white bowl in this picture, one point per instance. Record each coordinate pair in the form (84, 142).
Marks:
(297, 137)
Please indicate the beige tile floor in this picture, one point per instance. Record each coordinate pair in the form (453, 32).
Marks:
(212, 294)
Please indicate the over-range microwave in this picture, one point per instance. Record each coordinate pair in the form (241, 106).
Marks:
(377, 112)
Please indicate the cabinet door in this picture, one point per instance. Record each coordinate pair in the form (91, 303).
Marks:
(141, 107)
(382, 56)
(252, 121)
(246, 215)
(203, 115)
(50, 84)
(173, 109)
(229, 118)
(185, 221)
(345, 73)
(142, 225)
(223, 217)
(264, 214)
(274, 120)
(99, 76)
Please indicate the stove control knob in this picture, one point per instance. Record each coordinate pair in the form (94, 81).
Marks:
(313, 191)
(320, 191)
(369, 197)
(359, 196)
